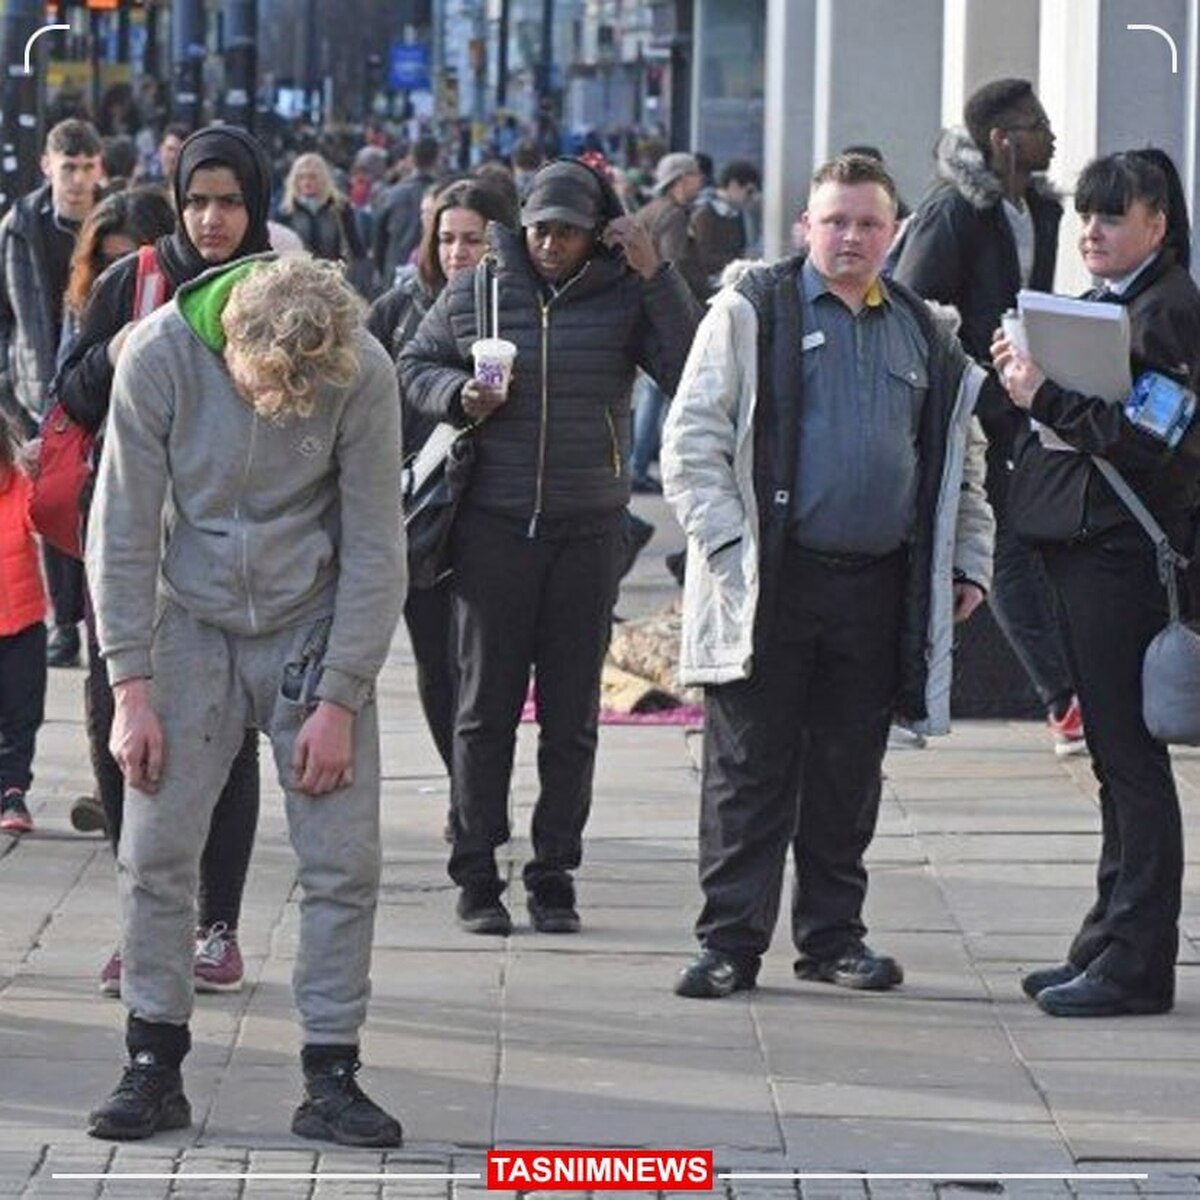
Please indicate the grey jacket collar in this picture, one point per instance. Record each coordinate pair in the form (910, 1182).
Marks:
(960, 163)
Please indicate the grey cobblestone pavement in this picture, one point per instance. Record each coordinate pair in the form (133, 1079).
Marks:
(982, 865)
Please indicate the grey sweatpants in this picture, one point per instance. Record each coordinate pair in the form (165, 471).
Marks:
(209, 686)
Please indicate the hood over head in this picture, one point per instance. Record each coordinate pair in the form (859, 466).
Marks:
(219, 146)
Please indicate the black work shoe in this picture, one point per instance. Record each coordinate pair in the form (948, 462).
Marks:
(62, 647)
(87, 816)
(1085, 996)
(336, 1109)
(1037, 981)
(551, 904)
(712, 975)
(857, 967)
(148, 1098)
(480, 910)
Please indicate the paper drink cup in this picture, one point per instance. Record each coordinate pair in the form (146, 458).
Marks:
(493, 362)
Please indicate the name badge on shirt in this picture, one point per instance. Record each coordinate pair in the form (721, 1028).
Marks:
(810, 341)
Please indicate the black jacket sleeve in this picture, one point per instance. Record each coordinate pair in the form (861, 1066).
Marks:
(84, 380)
(671, 315)
(432, 369)
(934, 252)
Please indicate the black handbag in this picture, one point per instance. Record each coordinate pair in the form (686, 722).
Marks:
(434, 489)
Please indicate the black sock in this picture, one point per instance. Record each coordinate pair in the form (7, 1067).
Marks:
(168, 1043)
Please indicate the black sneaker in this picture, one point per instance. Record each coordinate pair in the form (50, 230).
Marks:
(712, 975)
(480, 910)
(857, 967)
(62, 647)
(149, 1098)
(14, 812)
(87, 816)
(551, 904)
(336, 1109)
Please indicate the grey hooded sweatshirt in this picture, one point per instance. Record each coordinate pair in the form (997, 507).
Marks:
(250, 524)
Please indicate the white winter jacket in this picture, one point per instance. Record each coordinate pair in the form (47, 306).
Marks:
(709, 476)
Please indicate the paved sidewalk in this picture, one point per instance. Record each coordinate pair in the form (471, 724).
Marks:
(982, 867)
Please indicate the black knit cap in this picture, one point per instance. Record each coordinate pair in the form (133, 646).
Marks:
(564, 191)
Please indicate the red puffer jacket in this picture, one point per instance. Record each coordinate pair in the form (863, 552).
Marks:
(22, 597)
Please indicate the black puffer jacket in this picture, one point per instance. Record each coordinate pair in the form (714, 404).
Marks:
(1059, 497)
(557, 448)
(958, 249)
(393, 319)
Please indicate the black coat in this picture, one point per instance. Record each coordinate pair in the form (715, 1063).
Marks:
(558, 447)
(393, 319)
(958, 249)
(330, 233)
(1057, 497)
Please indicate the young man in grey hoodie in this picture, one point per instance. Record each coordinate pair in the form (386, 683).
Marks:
(247, 570)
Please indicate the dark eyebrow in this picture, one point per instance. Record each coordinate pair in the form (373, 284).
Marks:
(214, 196)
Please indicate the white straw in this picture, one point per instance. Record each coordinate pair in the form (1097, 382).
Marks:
(495, 306)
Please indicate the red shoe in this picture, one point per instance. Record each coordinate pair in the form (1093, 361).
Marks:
(218, 965)
(14, 816)
(1067, 730)
(110, 975)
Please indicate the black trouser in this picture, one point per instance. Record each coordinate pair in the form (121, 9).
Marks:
(517, 603)
(794, 755)
(22, 703)
(427, 615)
(226, 859)
(64, 582)
(1112, 605)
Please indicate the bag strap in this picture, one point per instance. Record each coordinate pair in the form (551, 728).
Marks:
(152, 288)
(1169, 559)
(485, 281)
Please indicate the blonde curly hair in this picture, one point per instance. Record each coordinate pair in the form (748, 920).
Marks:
(291, 326)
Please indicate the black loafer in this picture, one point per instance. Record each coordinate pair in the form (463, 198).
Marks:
(1085, 996)
(712, 975)
(857, 967)
(1037, 981)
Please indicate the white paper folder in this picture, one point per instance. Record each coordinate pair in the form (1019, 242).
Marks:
(1082, 345)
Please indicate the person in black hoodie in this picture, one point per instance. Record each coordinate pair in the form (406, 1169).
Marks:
(538, 539)
(1103, 568)
(222, 188)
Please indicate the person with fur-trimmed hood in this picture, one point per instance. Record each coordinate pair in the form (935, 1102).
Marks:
(987, 228)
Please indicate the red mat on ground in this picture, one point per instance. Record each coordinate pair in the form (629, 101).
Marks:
(684, 714)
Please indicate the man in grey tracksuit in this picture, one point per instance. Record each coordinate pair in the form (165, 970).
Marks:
(246, 560)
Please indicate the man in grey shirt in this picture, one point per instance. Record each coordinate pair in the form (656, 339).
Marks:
(822, 458)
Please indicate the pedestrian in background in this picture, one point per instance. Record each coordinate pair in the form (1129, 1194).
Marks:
(324, 221)
(454, 241)
(222, 190)
(540, 532)
(37, 239)
(987, 228)
(22, 635)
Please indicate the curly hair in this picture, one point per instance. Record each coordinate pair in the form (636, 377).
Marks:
(293, 323)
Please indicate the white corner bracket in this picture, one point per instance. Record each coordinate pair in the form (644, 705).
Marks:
(1169, 40)
(33, 38)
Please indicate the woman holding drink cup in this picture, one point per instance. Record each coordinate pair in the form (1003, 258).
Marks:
(583, 297)
(454, 241)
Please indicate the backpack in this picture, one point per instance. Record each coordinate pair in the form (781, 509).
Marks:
(64, 474)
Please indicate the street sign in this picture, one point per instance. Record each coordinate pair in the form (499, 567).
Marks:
(408, 67)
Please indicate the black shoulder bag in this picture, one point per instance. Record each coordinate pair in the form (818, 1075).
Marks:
(1171, 666)
(438, 475)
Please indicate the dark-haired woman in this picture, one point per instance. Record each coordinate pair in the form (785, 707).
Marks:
(454, 241)
(222, 188)
(538, 538)
(1102, 566)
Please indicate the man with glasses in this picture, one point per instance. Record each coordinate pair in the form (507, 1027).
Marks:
(987, 228)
